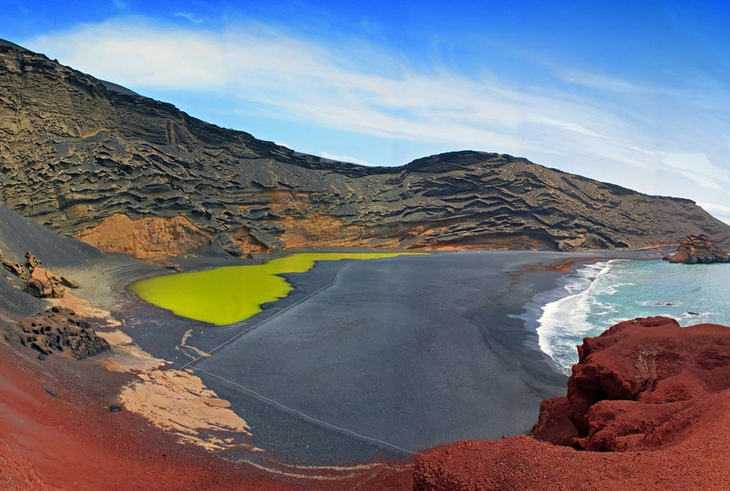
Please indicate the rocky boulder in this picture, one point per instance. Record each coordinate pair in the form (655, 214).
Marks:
(39, 282)
(636, 386)
(651, 398)
(698, 249)
(62, 330)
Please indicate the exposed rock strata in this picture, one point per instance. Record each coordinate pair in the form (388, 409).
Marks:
(148, 237)
(80, 155)
(651, 396)
(61, 330)
(698, 249)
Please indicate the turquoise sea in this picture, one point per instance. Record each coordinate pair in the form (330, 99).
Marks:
(599, 295)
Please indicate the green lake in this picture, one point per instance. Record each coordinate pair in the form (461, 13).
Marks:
(231, 294)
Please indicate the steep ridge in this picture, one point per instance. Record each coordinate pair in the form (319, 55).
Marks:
(93, 160)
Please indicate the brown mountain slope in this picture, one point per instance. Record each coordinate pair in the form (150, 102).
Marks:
(130, 174)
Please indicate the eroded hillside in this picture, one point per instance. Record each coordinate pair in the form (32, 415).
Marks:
(130, 174)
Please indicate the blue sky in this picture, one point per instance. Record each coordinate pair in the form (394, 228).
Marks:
(634, 93)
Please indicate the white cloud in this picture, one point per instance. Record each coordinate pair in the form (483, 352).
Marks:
(305, 80)
(190, 17)
(698, 168)
(345, 158)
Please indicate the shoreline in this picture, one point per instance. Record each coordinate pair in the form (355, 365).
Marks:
(503, 334)
(320, 276)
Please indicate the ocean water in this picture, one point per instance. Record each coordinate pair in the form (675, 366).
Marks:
(599, 295)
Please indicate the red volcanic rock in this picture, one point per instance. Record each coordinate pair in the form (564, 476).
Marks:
(634, 382)
(651, 397)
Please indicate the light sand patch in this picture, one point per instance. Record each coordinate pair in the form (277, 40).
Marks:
(178, 401)
(115, 338)
(129, 358)
(83, 308)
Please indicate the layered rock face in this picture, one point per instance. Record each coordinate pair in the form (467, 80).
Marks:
(698, 249)
(651, 397)
(130, 174)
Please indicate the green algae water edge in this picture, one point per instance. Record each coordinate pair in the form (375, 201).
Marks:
(229, 294)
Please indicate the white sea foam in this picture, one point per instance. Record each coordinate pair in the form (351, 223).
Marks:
(600, 295)
(564, 322)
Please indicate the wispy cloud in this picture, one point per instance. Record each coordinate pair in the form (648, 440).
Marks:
(308, 80)
(190, 17)
(613, 129)
(345, 158)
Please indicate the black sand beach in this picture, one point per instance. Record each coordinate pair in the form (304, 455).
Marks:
(379, 358)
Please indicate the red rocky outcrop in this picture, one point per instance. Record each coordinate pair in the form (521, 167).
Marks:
(637, 385)
(648, 406)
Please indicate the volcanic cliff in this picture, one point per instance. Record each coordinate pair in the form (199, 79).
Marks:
(126, 173)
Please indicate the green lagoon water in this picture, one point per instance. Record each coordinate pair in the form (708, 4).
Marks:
(231, 294)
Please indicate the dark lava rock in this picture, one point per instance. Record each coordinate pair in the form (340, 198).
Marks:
(60, 329)
(51, 391)
(110, 166)
(42, 356)
(115, 408)
(698, 249)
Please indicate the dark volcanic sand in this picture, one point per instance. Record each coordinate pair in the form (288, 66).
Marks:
(372, 359)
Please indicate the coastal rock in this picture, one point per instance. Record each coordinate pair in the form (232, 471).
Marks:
(60, 329)
(645, 384)
(129, 174)
(698, 249)
(637, 385)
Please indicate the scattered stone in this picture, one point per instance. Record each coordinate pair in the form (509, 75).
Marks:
(698, 249)
(115, 408)
(15, 268)
(41, 283)
(60, 329)
(69, 282)
(41, 356)
(50, 390)
(32, 261)
(170, 265)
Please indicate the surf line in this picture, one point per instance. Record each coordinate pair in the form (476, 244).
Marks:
(306, 417)
(209, 353)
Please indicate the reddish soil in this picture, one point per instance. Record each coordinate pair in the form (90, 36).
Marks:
(653, 397)
(74, 441)
(648, 406)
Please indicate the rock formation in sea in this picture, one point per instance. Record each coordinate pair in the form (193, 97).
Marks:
(648, 406)
(698, 249)
(126, 173)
